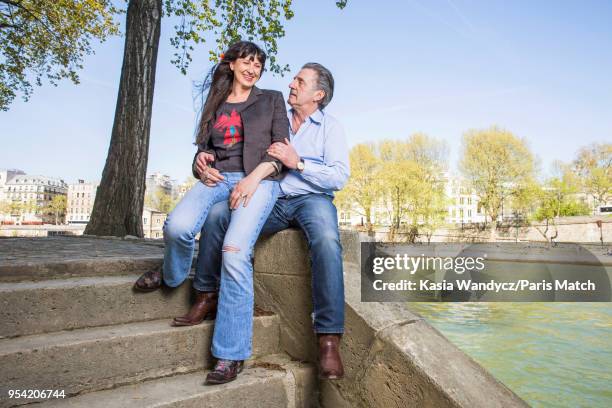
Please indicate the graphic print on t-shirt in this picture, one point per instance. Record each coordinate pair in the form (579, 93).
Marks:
(231, 126)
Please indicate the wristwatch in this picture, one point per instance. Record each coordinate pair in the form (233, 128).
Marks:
(300, 165)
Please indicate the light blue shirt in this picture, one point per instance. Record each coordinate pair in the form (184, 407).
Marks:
(320, 141)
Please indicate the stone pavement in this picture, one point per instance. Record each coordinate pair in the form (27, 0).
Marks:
(60, 248)
(39, 258)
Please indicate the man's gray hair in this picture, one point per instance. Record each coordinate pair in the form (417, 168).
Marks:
(325, 82)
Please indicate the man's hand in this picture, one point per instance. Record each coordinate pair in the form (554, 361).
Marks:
(285, 153)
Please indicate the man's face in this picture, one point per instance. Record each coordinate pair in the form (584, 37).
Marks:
(303, 89)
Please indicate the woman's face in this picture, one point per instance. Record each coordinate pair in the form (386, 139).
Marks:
(246, 70)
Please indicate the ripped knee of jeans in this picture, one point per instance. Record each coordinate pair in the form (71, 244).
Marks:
(230, 248)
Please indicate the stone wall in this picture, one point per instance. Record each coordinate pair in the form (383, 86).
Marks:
(568, 229)
(392, 357)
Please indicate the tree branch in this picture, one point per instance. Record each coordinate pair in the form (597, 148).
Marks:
(34, 16)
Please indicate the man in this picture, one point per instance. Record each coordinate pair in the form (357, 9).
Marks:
(317, 159)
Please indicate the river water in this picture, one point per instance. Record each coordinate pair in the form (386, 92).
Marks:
(550, 354)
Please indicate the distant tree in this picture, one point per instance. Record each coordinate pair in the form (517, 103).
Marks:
(401, 182)
(411, 183)
(57, 207)
(362, 188)
(119, 202)
(593, 165)
(47, 39)
(497, 165)
(29, 206)
(557, 197)
(16, 208)
(526, 199)
(160, 200)
(189, 182)
(430, 153)
(5, 207)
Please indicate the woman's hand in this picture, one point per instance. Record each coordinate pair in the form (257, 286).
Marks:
(202, 161)
(208, 175)
(245, 188)
(243, 191)
(211, 177)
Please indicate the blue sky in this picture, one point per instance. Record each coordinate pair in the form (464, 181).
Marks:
(539, 69)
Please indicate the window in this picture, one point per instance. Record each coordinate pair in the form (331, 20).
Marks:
(145, 221)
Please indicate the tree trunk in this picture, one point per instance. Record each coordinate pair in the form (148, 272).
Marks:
(368, 214)
(117, 210)
(493, 232)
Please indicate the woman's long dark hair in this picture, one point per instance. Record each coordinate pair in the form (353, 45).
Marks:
(219, 80)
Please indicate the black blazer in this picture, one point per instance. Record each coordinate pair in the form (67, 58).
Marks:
(264, 121)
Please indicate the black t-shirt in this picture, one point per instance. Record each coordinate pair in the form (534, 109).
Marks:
(227, 137)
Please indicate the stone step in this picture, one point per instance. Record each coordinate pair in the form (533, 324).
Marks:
(65, 304)
(261, 384)
(68, 257)
(104, 357)
(70, 268)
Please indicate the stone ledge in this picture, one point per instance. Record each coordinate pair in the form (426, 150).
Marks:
(392, 357)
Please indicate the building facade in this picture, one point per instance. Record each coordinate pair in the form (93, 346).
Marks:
(153, 223)
(463, 207)
(158, 181)
(5, 176)
(29, 196)
(80, 201)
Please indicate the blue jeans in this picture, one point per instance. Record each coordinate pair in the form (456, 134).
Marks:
(316, 215)
(232, 339)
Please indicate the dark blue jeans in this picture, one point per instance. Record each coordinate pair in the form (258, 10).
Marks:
(316, 215)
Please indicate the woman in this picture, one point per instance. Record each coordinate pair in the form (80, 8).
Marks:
(238, 123)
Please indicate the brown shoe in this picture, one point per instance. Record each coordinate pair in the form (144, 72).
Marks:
(149, 281)
(330, 363)
(204, 308)
(225, 371)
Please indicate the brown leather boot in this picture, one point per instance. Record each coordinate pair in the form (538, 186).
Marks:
(225, 371)
(330, 363)
(204, 308)
(149, 281)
